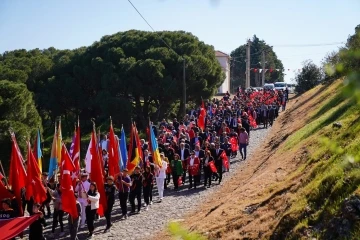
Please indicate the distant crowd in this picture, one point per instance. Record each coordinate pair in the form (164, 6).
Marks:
(195, 153)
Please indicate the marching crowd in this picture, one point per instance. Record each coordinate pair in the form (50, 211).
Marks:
(191, 157)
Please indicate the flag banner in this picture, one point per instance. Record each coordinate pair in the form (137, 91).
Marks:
(17, 176)
(37, 151)
(113, 148)
(212, 167)
(154, 147)
(133, 154)
(10, 228)
(75, 155)
(4, 192)
(68, 199)
(34, 186)
(234, 144)
(202, 116)
(97, 173)
(123, 149)
(53, 157)
(225, 160)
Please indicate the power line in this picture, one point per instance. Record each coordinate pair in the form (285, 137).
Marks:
(152, 28)
(310, 45)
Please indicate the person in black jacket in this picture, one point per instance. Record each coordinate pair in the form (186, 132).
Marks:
(37, 227)
(245, 124)
(216, 154)
(184, 153)
(110, 197)
(135, 190)
(148, 182)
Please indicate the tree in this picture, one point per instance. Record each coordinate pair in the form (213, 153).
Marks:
(309, 77)
(17, 111)
(130, 74)
(127, 75)
(238, 64)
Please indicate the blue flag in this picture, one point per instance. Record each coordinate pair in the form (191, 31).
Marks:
(123, 149)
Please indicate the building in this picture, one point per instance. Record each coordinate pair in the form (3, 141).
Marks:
(224, 60)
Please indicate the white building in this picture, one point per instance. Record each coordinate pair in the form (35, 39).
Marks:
(224, 60)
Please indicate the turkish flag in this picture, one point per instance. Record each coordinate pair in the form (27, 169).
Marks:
(4, 192)
(113, 148)
(76, 155)
(225, 160)
(234, 144)
(17, 176)
(34, 185)
(10, 228)
(67, 190)
(97, 173)
(202, 116)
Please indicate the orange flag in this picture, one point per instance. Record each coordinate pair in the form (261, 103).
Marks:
(34, 186)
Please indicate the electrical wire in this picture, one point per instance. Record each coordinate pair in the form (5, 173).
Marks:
(153, 28)
(310, 45)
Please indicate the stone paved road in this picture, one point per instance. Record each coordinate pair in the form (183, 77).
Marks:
(174, 206)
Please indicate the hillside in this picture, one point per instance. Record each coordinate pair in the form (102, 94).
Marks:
(301, 184)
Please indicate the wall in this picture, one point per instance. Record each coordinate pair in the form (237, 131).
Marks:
(224, 62)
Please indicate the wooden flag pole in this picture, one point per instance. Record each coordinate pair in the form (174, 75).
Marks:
(2, 169)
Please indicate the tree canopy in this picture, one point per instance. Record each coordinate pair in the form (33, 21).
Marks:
(238, 64)
(17, 111)
(309, 77)
(127, 75)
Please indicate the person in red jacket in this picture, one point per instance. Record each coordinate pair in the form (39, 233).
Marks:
(193, 164)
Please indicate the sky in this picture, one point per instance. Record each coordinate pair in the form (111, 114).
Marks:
(286, 25)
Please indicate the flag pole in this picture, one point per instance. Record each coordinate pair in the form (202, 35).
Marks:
(2, 169)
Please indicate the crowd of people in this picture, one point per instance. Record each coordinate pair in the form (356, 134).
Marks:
(191, 157)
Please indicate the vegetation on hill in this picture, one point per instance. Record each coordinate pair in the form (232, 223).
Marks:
(327, 204)
(126, 75)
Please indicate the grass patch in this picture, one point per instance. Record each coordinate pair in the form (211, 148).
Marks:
(332, 168)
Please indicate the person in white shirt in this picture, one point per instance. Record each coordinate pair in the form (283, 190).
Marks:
(92, 197)
(160, 176)
(81, 189)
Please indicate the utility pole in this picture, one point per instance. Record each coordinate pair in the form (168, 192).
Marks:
(184, 88)
(263, 68)
(247, 81)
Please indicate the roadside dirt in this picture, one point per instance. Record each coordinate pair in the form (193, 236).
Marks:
(253, 201)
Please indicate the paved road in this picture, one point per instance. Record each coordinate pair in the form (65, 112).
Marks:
(174, 206)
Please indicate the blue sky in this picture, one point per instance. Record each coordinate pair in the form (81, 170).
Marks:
(225, 24)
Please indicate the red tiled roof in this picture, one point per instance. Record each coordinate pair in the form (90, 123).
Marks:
(221, 54)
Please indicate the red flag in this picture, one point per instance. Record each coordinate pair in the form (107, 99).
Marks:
(234, 144)
(97, 173)
(76, 155)
(225, 160)
(10, 228)
(212, 167)
(34, 186)
(4, 192)
(113, 148)
(201, 119)
(17, 176)
(67, 190)
(1, 176)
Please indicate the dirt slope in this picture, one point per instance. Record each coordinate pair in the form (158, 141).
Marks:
(253, 201)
